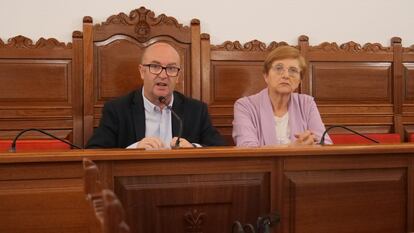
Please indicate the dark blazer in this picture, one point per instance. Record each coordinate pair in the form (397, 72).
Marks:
(123, 122)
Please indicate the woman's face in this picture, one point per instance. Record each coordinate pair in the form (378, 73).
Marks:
(283, 76)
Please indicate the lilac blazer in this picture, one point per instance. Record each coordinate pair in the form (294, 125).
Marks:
(254, 123)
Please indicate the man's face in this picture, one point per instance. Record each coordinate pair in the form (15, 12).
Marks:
(161, 58)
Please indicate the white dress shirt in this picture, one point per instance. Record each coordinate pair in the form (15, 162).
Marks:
(157, 122)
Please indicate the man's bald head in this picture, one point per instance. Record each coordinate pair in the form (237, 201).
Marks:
(157, 49)
(157, 62)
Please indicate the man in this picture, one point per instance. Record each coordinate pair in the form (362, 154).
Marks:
(140, 120)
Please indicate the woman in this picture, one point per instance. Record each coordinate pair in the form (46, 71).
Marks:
(277, 115)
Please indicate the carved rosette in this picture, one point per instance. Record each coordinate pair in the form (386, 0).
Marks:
(350, 47)
(142, 29)
(21, 42)
(142, 20)
(274, 45)
(194, 220)
(252, 46)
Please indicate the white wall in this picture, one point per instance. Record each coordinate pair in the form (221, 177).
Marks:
(266, 20)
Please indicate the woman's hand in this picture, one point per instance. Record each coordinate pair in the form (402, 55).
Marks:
(305, 138)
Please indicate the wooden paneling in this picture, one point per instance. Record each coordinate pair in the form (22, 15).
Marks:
(42, 197)
(231, 80)
(200, 200)
(348, 185)
(62, 87)
(40, 87)
(116, 68)
(409, 82)
(314, 189)
(408, 87)
(354, 85)
(35, 77)
(369, 200)
(351, 82)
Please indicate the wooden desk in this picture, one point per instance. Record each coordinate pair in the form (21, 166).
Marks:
(315, 189)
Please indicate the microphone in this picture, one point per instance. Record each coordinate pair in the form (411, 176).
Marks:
(322, 142)
(163, 100)
(13, 145)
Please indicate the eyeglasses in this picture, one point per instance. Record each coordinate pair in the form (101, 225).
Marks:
(156, 69)
(292, 71)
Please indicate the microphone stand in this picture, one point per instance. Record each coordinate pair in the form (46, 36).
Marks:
(322, 142)
(162, 100)
(13, 145)
(180, 130)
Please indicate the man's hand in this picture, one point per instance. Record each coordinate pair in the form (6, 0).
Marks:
(183, 142)
(150, 143)
(305, 138)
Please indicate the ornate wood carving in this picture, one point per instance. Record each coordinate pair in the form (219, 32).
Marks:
(303, 38)
(195, 22)
(205, 36)
(21, 42)
(194, 220)
(77, 34)
(375, 47)
(87, 19)
(274, 45)
(350, 47)
(252, 46)
(143, 19)
(408, 49)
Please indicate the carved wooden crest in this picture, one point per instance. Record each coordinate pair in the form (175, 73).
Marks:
(350, 47)
(194, 220)
(21, 42)
(143, 20)
(409, 49)
(252, 46)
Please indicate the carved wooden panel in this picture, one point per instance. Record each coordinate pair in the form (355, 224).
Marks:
(46, 197)
(315, 189)
(408, 92)
(142, 24)
(408, 77)
(350, 51)
(232, 80)
(192, 203)
(361, 200)
(351, 82)
(40, 87)
(116, 68)
(26, 80)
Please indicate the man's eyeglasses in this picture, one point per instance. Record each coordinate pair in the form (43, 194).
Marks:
(156, 69)
(292, 71)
